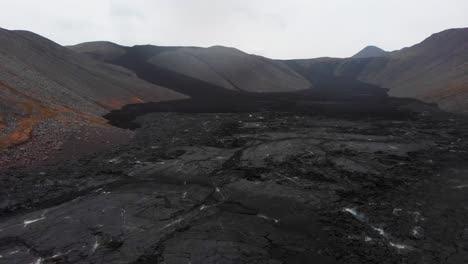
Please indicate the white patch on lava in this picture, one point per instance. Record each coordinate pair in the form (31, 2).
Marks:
(416, 216)
(355, 213)
(172, 223)
(204, 207)
(218, 190)
(380, 231)
(38, 261)
(114, 160)
(268, 218)
(416, 231)
(59, 254)
(400, 246)
(95, 245)
(31, 221)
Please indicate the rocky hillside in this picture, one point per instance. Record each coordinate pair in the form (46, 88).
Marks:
(435, 70)
(224, 67)
(41, 80)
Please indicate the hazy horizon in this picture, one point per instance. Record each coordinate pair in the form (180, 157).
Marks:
(276, 29)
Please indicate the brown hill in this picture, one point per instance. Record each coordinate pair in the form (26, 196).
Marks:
(41, 80)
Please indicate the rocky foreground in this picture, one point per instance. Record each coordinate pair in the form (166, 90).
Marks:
(249, 188)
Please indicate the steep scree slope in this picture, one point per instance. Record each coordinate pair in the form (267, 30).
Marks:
(41, 80)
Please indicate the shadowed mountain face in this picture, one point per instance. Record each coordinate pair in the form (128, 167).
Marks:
(220, 79)
(100, 50)
(41, 80)
(157, 65)
(232, 69)
(370, 52)
(435, 70)
(224, 67)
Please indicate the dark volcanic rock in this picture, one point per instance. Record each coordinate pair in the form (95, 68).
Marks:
(262, 187)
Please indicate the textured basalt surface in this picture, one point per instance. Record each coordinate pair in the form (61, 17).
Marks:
(261, 187)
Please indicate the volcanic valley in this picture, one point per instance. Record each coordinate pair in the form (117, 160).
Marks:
(150, 154)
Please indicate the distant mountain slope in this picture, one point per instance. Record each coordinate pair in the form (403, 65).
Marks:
(370, 52)
(435, 70)
(224, 67)
(101, 50)
(320, 72)
(233, 69)
(40, 79)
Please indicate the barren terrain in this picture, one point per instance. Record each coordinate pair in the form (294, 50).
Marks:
(259, 187)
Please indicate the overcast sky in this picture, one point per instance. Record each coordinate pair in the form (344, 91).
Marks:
(274, 28)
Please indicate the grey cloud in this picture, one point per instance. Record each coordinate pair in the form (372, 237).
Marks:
(273, 28)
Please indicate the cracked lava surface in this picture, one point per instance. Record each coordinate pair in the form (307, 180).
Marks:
(249, 188)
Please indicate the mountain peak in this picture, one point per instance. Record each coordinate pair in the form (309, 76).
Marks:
(102, 50)
(371, 52)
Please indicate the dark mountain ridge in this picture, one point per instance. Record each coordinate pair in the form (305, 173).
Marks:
(225, 67)
(435, 70)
